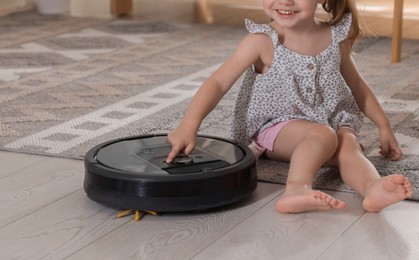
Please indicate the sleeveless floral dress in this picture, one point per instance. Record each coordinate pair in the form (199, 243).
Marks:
(295, 87)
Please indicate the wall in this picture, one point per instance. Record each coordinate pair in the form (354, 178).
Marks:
(91, 8)
(10, 6)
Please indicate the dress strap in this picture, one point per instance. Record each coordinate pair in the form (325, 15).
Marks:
(253, 27)
(341, 29)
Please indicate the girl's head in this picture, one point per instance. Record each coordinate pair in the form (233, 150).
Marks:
(337, 8)
(280, 9)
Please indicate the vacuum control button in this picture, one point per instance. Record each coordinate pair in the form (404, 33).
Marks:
(183, 160)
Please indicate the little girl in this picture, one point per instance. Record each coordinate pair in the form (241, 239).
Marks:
(301, 101)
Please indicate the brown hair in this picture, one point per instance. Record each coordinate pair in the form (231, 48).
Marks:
(337, 9)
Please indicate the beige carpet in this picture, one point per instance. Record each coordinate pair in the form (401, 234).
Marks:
(67, 84)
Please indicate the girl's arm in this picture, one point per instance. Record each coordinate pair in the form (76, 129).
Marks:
(210, 93)
(368, 104)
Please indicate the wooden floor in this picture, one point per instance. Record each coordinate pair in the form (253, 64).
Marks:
(45, 214)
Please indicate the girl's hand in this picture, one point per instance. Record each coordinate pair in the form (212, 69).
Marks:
(389, 147)
(182, 142)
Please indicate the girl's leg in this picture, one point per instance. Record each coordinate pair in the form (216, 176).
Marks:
(361, 175)
(307, 146)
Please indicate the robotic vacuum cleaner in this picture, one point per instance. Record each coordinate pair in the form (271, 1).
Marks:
(131, 173)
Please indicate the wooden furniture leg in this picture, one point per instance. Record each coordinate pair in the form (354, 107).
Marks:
(203, 12)
(121, 7)
(396, 48)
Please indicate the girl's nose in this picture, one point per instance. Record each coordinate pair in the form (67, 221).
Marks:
(285, 2)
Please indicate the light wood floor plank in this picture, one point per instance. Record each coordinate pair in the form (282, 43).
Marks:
(175, 236)
(32, 188)
(391, 234)
(59, 229)
(12, 162)
(270, 235)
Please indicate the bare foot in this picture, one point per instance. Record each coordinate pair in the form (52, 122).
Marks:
(386, 191)
(306, 199)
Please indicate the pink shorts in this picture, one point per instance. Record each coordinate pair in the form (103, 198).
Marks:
(266, 139)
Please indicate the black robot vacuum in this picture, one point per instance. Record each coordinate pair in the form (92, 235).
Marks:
(131, 173)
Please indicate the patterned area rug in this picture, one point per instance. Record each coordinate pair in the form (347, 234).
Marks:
(67, 84)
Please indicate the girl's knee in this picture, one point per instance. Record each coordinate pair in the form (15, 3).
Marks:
(348, 140)
(325, 135)
(348, 146)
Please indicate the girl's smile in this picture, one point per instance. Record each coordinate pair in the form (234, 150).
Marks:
(291, 13)
(285, 12)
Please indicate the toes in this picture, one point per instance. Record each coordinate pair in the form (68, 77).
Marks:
(408, 186)
(329, 200)
(338, 204)
(409, 192)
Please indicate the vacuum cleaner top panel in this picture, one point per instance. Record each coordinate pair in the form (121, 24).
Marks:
(146, 156)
